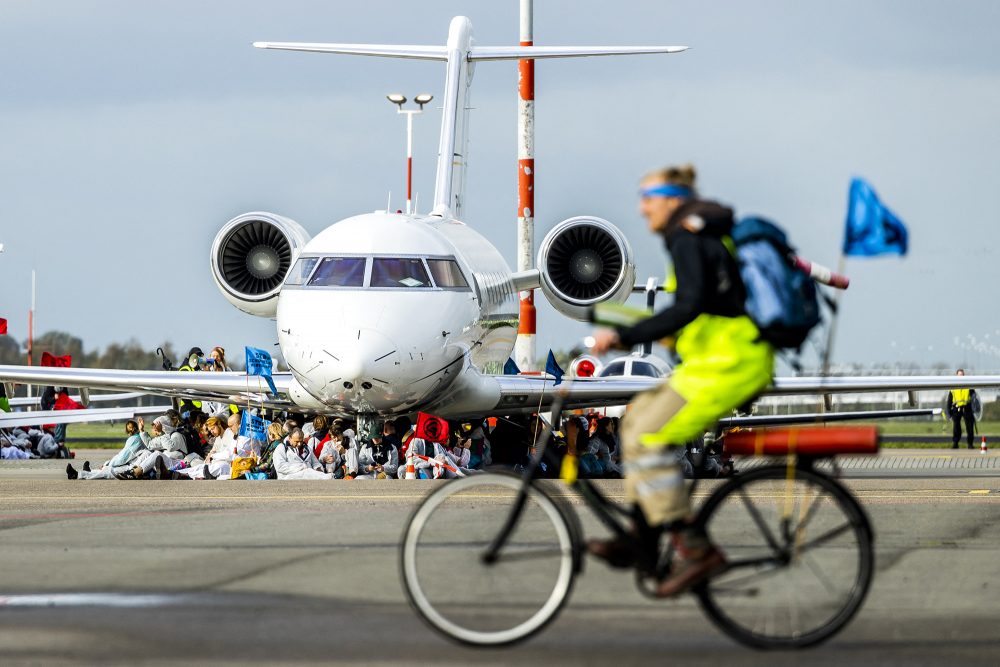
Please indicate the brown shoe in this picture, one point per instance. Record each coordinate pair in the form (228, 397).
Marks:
(616, 552)
(691, 570)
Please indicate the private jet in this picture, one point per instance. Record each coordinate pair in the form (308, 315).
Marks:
(388, 313)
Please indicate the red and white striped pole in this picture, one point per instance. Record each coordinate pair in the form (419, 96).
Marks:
(524, 348)
(409, 163)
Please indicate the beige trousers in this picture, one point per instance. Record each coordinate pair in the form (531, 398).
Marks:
(653, 477)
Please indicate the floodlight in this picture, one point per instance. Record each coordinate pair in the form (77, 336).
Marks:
(396, 98)
(423, 98)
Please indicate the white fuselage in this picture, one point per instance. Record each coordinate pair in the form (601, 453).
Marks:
(362, 340)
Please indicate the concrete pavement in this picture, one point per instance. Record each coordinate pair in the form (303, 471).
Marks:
(306, 572)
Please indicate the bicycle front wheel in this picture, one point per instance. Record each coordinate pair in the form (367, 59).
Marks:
(800, 557)
(461, 595)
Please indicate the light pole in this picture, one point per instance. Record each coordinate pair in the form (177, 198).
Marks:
(399, 101)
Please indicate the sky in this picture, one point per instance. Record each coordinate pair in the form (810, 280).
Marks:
(131, 132)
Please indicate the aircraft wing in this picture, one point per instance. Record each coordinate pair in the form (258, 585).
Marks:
(758, 421)
(526, 393)
(16, 419)
(233, 387)
(95, 398)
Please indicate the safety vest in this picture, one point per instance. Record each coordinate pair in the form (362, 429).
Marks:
(196, 404)
(959, 397)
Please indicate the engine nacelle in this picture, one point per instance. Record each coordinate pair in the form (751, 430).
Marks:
(584, 261)
(251, 257)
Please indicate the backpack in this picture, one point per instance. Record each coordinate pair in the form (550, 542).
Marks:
(781, 300)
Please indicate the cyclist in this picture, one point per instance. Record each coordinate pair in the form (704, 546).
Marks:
(724, 364)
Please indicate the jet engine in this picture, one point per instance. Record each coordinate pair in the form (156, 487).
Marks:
(251, 256)
(584, 261)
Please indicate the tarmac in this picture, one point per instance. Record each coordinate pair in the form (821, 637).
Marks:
(109, 572)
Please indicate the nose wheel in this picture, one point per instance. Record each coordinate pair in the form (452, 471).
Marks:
(366, 422)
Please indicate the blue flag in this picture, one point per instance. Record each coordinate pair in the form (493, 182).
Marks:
(254, 427)
(552, 368)
(872, 229)
(510, 368)
(259, 363)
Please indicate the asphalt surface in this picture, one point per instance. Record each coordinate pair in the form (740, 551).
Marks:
(306, 573)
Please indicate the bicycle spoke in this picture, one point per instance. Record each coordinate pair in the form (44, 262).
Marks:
(825, 537)
(759, 520)
(818, 573)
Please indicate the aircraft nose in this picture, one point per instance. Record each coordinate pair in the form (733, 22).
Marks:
(369, 357)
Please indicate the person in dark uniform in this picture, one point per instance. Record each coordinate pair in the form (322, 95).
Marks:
(960, 409)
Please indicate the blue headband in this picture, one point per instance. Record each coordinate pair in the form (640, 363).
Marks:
(667, 190)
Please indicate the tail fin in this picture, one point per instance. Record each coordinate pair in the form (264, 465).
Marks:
(461, 56)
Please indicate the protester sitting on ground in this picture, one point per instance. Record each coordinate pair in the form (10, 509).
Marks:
(417, 447)
(19, 438)
(167, 439)
(480, 452)
(347, 448)
(390, 437)
(603, 443)
(377, 459)
(9, 448)
(575, 430)
(121, 464)
(191, 430)
(456, 455)
(212, 468)
(319, 436)
(329, 453)
(275, 435)
(294, 460)
(45, 444)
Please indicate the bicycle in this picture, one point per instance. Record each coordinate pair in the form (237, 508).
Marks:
(799, 547)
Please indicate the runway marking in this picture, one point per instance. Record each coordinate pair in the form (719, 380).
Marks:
(120, 600)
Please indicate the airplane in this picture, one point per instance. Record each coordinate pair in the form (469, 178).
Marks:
(384, 314)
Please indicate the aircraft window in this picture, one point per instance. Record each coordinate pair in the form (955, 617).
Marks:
(399, 272)
(446, 273)
(300, 272)
(642, 368)
(613, 369)
(340, 272)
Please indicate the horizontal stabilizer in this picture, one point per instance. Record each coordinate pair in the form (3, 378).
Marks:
(386, 50)
(537, 52)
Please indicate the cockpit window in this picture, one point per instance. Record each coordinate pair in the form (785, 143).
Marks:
(399, 272)
(300, 272)
(644, 369)
(340, 272)
(446, 273)
(613, 369)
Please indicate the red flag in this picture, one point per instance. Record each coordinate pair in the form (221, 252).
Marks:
(3, 326)
(59, 362)
(431, 428)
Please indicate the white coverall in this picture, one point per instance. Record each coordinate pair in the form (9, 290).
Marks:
(291, 464)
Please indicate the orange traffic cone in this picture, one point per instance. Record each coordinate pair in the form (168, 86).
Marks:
(982, 447)
(411, 470)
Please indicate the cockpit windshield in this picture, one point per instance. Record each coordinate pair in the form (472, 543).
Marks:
(446, 273)
(399, 272)
(300, 272)
(378, 272)
(340, 272)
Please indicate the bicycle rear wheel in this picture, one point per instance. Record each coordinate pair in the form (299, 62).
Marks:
(800, 556)
(475, 602)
